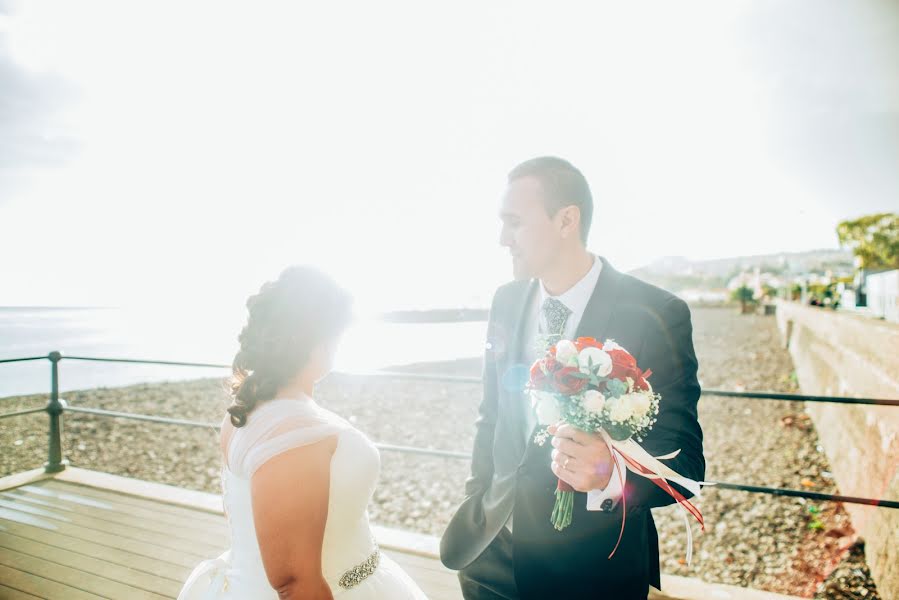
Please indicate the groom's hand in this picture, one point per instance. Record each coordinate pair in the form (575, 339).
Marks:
(580, 459)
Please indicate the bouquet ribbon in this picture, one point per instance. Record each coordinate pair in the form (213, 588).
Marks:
(630, 456)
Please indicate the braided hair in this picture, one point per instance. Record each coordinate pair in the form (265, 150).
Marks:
(288, 319)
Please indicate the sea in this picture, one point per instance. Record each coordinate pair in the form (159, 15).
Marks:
(191, 335)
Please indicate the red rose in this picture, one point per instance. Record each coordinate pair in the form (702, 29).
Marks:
(640, 381)
(538, 377)
(623, 365)
(541, 372)
(587, 342)
(568, 382)
(551, 364)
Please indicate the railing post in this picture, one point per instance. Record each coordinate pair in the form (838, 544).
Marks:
(55, 408)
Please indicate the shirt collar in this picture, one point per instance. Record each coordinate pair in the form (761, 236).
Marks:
(578, 295)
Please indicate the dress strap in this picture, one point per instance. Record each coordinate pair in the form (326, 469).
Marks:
(276, 427)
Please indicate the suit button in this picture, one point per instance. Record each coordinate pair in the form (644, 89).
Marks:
(606, 505)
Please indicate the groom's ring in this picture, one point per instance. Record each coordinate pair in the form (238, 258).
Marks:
(565, 464)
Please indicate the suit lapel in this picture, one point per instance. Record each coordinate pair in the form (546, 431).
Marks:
(601, 305)
(520, 318)
(514, 368)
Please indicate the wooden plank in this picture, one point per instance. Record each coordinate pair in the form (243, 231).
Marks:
(437, 585)
(218, 537)
(180, 556)
(435, 577)
(24, 478)
(114, 556)
(428, 576)
(160, 516)
(407, 542)
(158, 492)
(418, 554)
(8, 593)
(40, 587)
(136, 532)
(127, 500)
(428, 571)
(129, 576)
(431, 563)
(74, 578)
(441, 593)
(429, 581)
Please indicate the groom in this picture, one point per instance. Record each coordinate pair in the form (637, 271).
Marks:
(501, 539)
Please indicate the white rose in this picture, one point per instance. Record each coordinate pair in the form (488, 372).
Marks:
(640, 403)
(565, 352)
(620, 409)
(594, 402)
(602, 362)
(547, 408)
(610, 345)
(538, 396)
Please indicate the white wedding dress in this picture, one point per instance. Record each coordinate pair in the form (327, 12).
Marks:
(349, 551)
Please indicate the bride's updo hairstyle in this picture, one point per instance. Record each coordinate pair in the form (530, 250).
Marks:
(288, 319)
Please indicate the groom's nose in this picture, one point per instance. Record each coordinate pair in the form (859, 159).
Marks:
(505, 239)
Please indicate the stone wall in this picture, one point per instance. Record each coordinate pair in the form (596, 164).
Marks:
(841, 354)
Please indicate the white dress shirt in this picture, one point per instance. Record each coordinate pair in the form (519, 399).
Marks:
(576, 299)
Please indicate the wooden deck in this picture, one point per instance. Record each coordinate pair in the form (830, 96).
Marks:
(63, 540)
(84, 535)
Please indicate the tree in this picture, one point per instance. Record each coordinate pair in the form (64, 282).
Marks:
(874, 239)
(745, 296)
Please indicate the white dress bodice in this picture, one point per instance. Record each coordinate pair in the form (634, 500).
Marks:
(273, 428)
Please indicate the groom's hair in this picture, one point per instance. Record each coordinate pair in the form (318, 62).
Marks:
(563, 186)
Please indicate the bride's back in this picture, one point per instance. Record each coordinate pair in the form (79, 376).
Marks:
(278, 426)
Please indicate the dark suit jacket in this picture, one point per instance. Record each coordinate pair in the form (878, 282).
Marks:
(512, 474)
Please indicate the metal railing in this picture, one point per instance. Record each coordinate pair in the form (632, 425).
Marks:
(56, 406)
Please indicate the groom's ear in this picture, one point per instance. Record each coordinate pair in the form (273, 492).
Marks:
(569, 219)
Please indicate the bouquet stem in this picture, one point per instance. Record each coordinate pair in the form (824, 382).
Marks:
(564, 507)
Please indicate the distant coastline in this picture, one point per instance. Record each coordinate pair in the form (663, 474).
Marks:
(439, 315)
(58, 307)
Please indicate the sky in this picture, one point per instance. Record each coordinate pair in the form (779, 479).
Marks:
(184, 152)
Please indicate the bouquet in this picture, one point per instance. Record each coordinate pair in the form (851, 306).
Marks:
(598, 388)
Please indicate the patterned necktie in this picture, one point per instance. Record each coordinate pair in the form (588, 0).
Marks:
(556, 315)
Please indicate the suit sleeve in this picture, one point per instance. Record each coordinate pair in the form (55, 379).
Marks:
(668, 351)
(485, 425)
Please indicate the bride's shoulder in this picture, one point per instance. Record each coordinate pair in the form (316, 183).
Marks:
(287, 414)
(304, 407)
(279, 425)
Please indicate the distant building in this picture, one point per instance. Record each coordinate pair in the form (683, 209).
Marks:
(882, 294)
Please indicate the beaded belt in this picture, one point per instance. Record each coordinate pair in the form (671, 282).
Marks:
(354, 576)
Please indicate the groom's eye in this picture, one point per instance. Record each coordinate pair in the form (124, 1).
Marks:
(510, 219)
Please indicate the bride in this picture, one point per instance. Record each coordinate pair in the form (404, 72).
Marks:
(296, 478)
